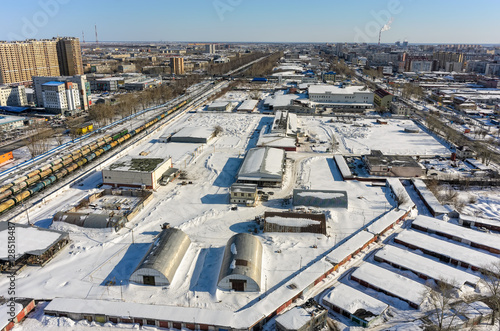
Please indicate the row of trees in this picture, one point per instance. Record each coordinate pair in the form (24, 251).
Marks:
(263, 67)
(223, 68)
(128, 104)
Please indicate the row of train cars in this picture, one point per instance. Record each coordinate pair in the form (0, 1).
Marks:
(27, 185)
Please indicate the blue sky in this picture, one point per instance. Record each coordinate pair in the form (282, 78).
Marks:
(419, 21)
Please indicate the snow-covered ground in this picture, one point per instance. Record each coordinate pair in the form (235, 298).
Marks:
(95, 258)
(366, 135)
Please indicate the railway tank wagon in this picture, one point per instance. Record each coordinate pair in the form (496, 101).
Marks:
(25, 186)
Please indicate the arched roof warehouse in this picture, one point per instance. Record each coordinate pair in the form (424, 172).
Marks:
(241, 268)
(159, 265)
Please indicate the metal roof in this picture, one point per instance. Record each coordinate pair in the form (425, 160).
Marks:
(166, 253)
(242, 256)
(94, 221)
(52, 83)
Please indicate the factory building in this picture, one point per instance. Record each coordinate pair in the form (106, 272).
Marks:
(242, 264)
(379, 164)
(320, 198)
(138, 171)
(200, 135)
(159, 265)
(349, 97)
(263, 166)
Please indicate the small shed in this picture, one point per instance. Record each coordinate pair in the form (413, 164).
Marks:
(242, 264)
(320, 198)
(159, 265)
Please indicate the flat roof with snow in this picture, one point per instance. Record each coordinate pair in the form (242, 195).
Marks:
(355, 302)
(332, 89)
(320, 198)
(443, 247)
(248, 105)
(349, 247)
(390, 282)
(30, 240)
(463, 234)
(193, 133)
(430, 199)
(424, 266)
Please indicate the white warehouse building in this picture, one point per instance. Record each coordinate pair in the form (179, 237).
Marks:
(356, 97)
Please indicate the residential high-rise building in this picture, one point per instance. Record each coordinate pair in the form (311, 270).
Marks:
(69, 55)
(20, 60)
(210, 48)
(177, 65)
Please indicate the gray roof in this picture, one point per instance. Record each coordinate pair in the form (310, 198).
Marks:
(320, 198)
(88, 220)
(242, 256)
(262, 163)
(166, 253)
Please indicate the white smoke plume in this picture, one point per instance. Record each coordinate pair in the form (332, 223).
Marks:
(387, 26)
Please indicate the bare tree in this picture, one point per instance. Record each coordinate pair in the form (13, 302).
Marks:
(440, 296)
(491, 277)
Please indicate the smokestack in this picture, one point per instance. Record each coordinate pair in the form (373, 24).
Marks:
(379, 36)
(96, 40)
(386, 27)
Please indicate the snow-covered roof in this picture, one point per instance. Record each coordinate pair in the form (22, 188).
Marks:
(457, 231)
(349, 247)
(343, 167)
(351, 300)
(5, 119)
(294, 319)
(218, 104)
(195, 132)
(29, 239)
(137, 163)
(391, 282)
(280, 100)
(4, 313)
(398, 189)
(443, 247)
(430, 199)
(288, 221)
(262, 163)
(248, 105)
(320, 198)
(378, 226)
(332, 89)
(479, 220)
(275, 140)
(425, 266)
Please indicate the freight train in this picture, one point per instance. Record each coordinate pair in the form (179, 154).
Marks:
(33, 182)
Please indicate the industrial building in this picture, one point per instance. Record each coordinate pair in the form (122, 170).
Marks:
(320, 198)
(35, 246)
(160, 263)
(358, 306)
(198, 135)
(248, 106)
(109, 208)
(219, 106)
(382, 98)
(61, 97)
(263, 166)
(90, 220)
(294, 222)
(243, 193)
(308, 317)
(379, 164)
(137, 171)
(11, 122)
(348, 97)
(242, 264)
(80, 80)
